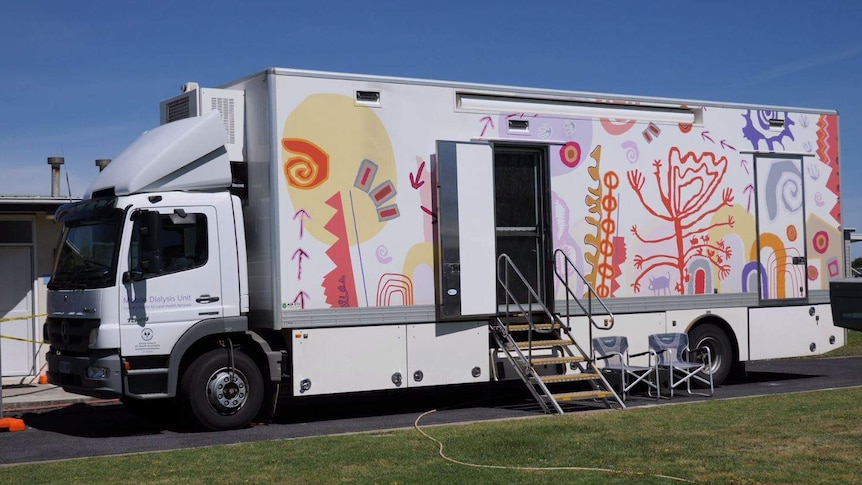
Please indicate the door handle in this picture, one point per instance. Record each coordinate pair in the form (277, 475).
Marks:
(207, 299)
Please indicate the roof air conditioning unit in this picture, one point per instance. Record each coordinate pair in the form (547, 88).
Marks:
(196, 101)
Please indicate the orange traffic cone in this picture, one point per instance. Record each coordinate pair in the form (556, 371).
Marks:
(12, 424)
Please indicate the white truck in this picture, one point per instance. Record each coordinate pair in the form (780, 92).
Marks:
(308, 233)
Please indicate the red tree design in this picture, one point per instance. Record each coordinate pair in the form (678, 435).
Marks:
(685, 188)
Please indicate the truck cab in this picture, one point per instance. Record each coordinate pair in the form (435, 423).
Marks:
(144, 273)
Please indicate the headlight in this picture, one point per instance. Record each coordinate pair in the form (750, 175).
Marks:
(98, 372)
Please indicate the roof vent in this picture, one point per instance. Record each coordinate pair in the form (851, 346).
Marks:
(177, 109)
(368, 98)
(519, 126)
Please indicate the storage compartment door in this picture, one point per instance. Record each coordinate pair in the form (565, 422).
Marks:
(465, 231)
(348, 359)
(779, 332)
(447, 353)
(781, 229)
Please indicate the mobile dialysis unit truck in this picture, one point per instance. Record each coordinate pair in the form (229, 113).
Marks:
(308, 233)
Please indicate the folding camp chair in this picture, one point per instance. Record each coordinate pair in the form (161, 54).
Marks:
(614, 351)
(674, 356)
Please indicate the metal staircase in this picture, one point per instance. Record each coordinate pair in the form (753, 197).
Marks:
(540, 346)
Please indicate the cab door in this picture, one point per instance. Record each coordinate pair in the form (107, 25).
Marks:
(162, 298)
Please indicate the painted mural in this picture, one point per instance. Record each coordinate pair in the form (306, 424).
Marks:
(671, 210)
(641, 208)
(343, 183)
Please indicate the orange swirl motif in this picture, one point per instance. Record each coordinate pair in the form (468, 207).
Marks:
(310, 168)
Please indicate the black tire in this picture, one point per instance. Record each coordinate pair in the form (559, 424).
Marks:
(713, 337)
(218, 399)
(158, 410)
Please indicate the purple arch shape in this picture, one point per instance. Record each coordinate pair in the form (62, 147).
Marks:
(747, 270)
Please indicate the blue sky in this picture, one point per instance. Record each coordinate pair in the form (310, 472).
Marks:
(83, 79)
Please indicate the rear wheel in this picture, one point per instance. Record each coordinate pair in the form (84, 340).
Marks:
(716, 340)
(218, 396)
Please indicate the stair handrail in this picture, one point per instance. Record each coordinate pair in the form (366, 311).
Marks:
(504, 265)
(591, 293)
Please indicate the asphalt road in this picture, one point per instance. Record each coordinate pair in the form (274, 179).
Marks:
(86, 430)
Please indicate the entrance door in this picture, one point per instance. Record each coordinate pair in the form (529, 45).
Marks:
(521, 210)
(781, 228)
(16, 303)
(465, 231)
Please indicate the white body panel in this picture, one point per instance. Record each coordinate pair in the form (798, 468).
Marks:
(354, 359)
(793, 331)
(447, 353)
(337, 360)
(829, 337)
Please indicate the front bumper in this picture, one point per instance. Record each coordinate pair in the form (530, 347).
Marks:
(70, 373)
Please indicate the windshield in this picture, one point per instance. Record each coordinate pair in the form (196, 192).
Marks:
(87, 256)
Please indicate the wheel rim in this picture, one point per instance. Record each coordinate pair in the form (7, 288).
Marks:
(714, 352)
(227, 390)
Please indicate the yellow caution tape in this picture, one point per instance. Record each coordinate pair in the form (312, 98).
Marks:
(12, 319)
(19, 339)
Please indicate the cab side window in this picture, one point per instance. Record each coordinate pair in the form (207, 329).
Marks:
(182, 241)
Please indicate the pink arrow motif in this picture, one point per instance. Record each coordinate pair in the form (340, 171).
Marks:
(302, 254)
(489, 123)
(724, 144)
(705, 136)
(417, 181)
(300, 298)
(749, 189)
(302, 218)
(744, 164)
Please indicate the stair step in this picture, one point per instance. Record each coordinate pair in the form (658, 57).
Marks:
(558, 360)
(523, 327)
(542, 344)
(582, 395)
(569, 378)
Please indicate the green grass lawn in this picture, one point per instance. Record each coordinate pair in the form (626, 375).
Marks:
(798, 438)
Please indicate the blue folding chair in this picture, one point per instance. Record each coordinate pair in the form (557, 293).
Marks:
(614, 351)
(681, 364)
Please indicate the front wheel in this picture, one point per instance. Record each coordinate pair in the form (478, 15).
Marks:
(720, 348)
(218, 396)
